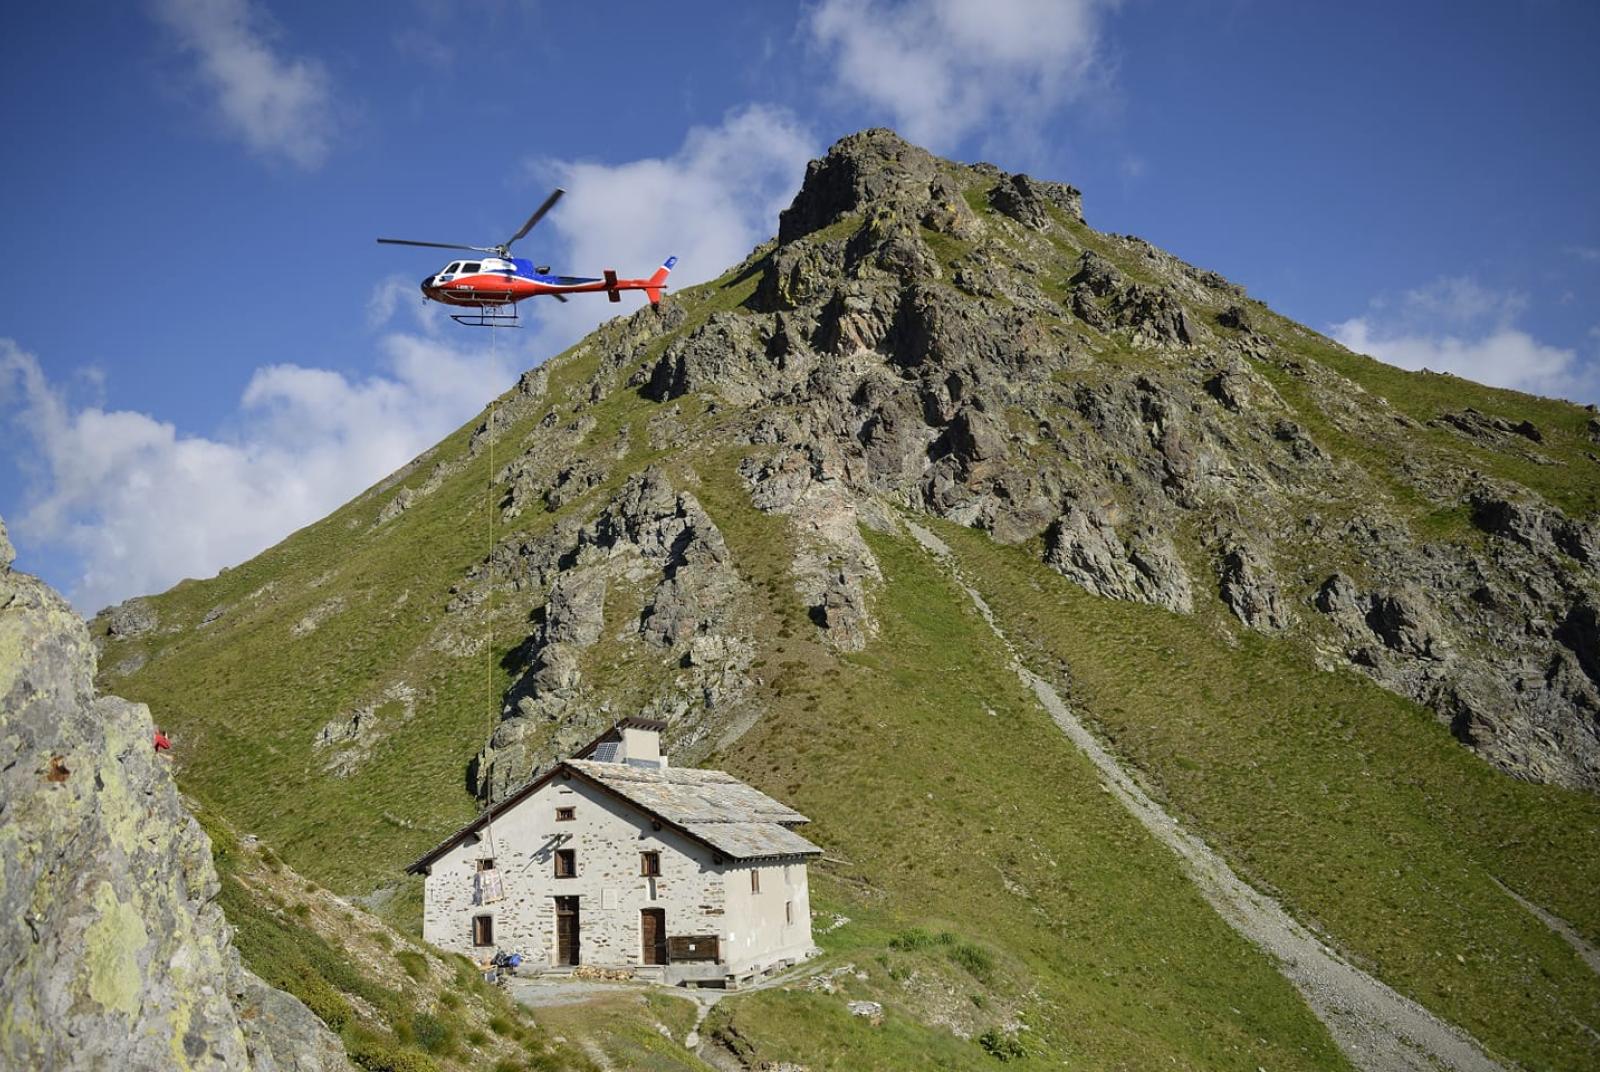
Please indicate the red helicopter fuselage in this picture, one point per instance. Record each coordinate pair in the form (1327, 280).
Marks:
(496, 281)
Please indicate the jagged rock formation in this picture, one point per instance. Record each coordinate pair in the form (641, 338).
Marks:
(662, 561)
(912, 341)
(1131, 416)
(113, 953)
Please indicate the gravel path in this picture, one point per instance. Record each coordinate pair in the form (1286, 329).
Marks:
(1566, 931)
(1378, 1029)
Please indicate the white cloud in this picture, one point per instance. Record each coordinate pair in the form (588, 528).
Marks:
(709, 203)
(141, 505)
(280, 105)
(396, 292)
(942, 69)
(1457, 325)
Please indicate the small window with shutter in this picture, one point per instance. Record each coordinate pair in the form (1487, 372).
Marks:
(566, 815)
(650, 864)
(483, 930)
(755, 880)
(566, 863)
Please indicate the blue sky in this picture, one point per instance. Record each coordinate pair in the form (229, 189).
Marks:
(202, 349)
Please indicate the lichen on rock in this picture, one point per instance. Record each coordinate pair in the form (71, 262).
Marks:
(114, 952)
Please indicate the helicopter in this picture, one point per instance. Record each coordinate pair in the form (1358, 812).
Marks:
(494, 283)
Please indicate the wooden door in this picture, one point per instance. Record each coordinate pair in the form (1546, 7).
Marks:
(567, 943)
(653, 934)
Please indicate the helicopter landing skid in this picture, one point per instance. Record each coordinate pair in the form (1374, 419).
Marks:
(489, 316)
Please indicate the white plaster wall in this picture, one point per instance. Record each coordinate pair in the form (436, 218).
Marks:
(758, 931)
(607, 836)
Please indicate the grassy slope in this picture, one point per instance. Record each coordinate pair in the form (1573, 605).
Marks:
(397, 1006)
(958, 805)
(1353, 805)
(247, 697)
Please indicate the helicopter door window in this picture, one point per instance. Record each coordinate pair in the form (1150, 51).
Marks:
(469, 269)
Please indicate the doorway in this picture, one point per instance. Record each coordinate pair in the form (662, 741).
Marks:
(567, 944)
(653, 934)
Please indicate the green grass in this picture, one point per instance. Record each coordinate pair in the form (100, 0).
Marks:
(819, 1031)
(622, 1026)
(1572, 483)
(407, 1025)
(947, 248)
(1353, 805)
(960, 808)
(977, 198)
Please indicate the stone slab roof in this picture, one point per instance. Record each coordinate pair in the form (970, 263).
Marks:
(716, 808)
(712, 807)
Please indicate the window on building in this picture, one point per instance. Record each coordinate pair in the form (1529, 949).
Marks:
(566, 815)
(483, 930)
(566, 863)
(650, 864)
(788, 912)
(486, 863)
(755, 880)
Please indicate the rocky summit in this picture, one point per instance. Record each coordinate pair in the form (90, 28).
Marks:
(1159, 436)
(953, 521)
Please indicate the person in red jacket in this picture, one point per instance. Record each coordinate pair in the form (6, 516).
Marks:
(162, 744)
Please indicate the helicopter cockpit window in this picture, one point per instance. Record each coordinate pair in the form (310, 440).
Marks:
(468, 269)
(452, 268)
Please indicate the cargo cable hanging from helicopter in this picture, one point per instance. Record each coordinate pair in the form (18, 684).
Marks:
(494, 283)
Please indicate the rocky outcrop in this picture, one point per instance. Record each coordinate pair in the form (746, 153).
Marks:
(114, 952)
(936, 355)
(348, 739)
(1486, 428)
(834, 570)
(1250, 589)
(130, 619)
(1027, 200)
(656, 553)
(1085, 546)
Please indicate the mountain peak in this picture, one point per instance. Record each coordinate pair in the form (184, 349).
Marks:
(878, 170)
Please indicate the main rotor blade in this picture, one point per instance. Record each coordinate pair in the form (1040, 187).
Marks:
(433, 245)
(538, 214)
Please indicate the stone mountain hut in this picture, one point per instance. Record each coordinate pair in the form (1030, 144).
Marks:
(615, 859)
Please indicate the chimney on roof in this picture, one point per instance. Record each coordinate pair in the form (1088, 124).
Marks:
(641, 742)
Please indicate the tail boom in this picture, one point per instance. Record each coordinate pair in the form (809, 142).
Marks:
(658, 282)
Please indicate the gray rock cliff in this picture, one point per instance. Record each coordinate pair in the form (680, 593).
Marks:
(113, 953)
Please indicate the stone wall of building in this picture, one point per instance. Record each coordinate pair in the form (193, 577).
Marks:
(607, 836)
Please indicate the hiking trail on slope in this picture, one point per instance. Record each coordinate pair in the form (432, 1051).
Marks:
(1377, 1028)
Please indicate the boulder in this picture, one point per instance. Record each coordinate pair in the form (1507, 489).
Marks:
(1084, 546)
(130, 619)
(1250, 590)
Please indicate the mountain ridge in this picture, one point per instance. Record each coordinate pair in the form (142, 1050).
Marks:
(702, 517)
